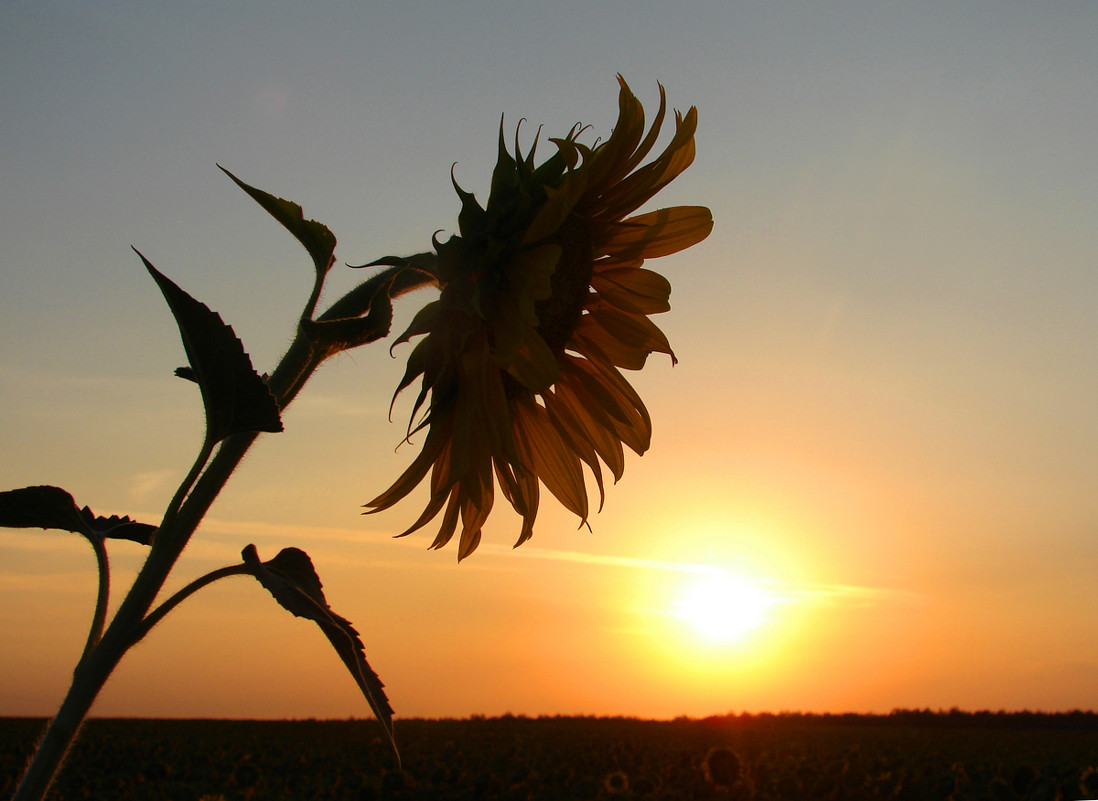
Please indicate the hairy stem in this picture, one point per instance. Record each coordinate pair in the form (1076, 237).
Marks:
(102, 596)
(200, 462)
(184, 513)
(193, 499)
(159, 613)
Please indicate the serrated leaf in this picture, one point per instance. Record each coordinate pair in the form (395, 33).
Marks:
(318, 240)
(119, 528)
(293, 582)
(52, 507)
(236, 398)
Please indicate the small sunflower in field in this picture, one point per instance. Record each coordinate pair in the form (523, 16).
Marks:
(722, 767)
(1088, 782)
(616, 783)
(544, 300)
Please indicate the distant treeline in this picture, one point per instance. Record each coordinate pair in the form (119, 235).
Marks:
(1075, 720)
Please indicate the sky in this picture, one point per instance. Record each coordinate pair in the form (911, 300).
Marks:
(873, 468)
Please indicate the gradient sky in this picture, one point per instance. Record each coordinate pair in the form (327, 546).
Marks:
(884, 416)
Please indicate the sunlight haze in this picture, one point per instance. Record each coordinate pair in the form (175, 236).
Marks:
(873, 480)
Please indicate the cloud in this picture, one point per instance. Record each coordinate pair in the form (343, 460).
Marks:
(335, 405)
(149, 482)
(578, 557)
(302, 536)
(846, 594)
(851, 595)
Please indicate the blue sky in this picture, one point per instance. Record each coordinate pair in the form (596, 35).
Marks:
(887, 345)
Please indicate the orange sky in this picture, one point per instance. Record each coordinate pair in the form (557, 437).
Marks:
(883, 419)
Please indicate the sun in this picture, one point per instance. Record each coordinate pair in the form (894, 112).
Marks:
(722, 607)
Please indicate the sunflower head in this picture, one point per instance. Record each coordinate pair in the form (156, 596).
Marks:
(543, 301)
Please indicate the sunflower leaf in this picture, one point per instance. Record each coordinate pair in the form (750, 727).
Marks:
(293, 582)
(236, 399)
(52, 507)
(318, 240)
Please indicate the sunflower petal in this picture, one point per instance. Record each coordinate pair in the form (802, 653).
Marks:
(659, 233)
(434, 506)
(543, 449)
(449, 524)
(611, 159)
(411, 477)
(424, 321)
(636, 189)
(475, 509)
(628, 416)
(653, 133)
(632, 290)
(481, 424)
(621, 339)
(584, 419)
(574, 434)
(593, 340)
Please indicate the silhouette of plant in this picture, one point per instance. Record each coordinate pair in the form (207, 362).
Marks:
(543, 300)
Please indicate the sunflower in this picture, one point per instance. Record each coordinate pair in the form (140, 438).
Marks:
(544, 300)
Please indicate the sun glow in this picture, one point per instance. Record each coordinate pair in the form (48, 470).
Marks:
(723, 607)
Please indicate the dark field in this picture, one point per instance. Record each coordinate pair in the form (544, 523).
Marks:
(916, 755)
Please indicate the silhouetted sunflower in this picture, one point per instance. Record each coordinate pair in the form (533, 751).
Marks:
(543, 300)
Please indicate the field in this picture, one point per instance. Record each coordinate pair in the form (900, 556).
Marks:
(906, 755)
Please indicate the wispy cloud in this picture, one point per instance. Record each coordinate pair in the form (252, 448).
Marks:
(491, 556)
(851, 595)
(577, 557)
(148, 482)
(831, 593)
(336, 405)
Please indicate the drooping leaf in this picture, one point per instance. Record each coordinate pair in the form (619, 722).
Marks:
(236, 398)
(53, 507)
(40, 507)
(315, 236)
(293, 582)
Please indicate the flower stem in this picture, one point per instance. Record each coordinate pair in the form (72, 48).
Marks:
(102, 597)
(207, 477)
(161, 611)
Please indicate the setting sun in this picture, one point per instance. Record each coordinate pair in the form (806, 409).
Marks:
(722, 607)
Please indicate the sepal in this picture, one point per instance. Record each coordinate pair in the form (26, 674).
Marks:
(335, 335)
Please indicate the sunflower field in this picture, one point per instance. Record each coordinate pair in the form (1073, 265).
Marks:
(905, 755)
